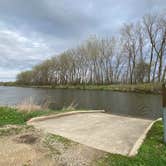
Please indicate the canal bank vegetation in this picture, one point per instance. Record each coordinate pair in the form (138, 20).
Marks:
(154, 88)
(30, 105)
(14, 116)
(27, 109)
(139, 88)
(135, 56)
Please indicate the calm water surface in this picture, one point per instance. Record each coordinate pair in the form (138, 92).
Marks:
(129, 104)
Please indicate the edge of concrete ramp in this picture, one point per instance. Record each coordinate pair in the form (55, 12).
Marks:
(141, 139)
(52, 116)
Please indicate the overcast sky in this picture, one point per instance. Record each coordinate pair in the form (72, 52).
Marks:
(34, 30)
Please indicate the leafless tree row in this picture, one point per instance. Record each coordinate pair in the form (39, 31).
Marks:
(136, 55)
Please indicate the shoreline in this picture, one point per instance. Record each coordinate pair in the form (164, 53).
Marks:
(136, 88)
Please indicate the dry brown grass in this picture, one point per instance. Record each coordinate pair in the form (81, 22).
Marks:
(71, 107)
(28, 105)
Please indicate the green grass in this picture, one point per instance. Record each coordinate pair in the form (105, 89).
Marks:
(10, 116)
(13, 117)
(151, 153)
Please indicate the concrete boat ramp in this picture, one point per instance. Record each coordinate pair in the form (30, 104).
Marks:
(106, 132)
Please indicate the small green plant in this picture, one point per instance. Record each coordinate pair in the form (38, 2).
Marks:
(56, 144)
(51, 138)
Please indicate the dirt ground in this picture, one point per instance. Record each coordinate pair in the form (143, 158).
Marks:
(26, 146)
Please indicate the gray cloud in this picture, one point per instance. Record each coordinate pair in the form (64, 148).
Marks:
(48, 17)
(33, 30)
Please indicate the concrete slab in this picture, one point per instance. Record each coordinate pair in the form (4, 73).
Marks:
(110, 133)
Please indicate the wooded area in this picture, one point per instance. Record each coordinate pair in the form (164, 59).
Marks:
(137, 54)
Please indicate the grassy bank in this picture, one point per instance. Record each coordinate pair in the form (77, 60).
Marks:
(151, 153)
(13, 117)
(139, 88)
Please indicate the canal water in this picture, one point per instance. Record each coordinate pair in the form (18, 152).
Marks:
(122, 103)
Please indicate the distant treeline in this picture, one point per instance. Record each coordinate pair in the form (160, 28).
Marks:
(8, 83)
(137, 54)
